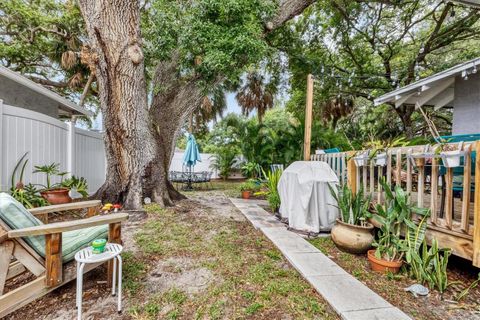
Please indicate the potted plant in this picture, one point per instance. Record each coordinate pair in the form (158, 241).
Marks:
(58, 193)
(378, 149)
(393, 218)
(247, 188)
(450, 153)
(418, 158)
(352, 233)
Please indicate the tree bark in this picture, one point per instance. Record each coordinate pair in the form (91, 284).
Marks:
(114, 33)
(140, 141)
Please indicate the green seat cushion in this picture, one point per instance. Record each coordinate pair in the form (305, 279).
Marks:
(14, 214)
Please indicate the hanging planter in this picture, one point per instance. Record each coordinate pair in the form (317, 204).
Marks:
(418, 158)
(381, 159)
(451, 159)
(451, 154)
(361, 160)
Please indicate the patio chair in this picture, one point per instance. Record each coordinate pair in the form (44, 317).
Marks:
(46, 250)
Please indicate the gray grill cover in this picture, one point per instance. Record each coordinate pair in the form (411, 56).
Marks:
(305, 197)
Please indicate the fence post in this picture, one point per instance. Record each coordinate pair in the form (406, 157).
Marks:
(351, 172)
(476, 210)
(71, 146)
(308, 119)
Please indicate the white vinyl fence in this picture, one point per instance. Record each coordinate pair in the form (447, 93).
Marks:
(48, 140)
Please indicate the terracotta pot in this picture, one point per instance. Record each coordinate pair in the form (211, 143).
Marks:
(380, 265)
(351, 238)
(246, 194)
(57, 196)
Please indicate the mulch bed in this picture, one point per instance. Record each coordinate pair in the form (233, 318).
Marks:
(461, 274)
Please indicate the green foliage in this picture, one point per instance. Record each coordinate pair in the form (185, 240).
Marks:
(223, 160)
(250, 185)
(78, 184)
(394, 216)
(372, 47)
(279, 139)
(251, 170)
(27, 195)
(212, 38)
(354, 208)
(465, 291)
(271, 186)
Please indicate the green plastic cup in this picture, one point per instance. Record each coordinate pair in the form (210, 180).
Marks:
(98, 245)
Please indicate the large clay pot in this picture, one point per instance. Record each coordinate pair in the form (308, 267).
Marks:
(246, 194)
(57, 196)
(351, 238)
(384, 266)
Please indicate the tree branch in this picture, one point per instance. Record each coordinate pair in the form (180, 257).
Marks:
(287, 10)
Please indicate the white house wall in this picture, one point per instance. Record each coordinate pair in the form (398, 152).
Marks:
(466, 111)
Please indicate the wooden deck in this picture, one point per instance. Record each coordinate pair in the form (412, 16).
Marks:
(454, 226)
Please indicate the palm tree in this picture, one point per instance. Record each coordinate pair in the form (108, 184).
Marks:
(256, 95)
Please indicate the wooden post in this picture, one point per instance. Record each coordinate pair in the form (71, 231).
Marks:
(434, 191)
(6, 250)
(352, 173)
(467, 178)
(449, 198)
(308, 119)
(53, 259)
(114, 236)
(476, 211)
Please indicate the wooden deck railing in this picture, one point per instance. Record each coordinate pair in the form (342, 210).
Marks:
(455, 216)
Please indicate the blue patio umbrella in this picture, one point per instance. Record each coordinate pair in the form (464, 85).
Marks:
(191, 156)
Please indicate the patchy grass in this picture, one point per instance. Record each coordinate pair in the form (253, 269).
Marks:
(251, 277)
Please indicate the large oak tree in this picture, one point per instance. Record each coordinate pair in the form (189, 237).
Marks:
(140, 138)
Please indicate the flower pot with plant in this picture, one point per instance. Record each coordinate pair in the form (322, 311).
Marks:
(450, 153)
(393, 218)
(58, 193)
(352, 233)
(247, 188)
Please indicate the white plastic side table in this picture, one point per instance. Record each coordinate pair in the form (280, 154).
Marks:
(84, 256)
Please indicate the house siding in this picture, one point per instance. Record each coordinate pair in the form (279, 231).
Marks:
(466, 111)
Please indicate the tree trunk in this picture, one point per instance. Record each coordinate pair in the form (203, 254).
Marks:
(114, 33)
(405, 113)
(140, 142)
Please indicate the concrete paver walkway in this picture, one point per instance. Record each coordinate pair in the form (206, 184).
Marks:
(350, 298)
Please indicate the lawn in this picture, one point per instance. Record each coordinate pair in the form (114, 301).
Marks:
(201, 260)
(197, 260)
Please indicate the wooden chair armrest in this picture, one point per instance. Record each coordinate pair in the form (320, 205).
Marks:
(59, 227)
(66, 207)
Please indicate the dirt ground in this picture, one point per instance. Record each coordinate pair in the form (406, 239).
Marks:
(434, 306)
(198, 260)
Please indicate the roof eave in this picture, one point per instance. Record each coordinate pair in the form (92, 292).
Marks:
(18, 78)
